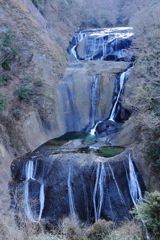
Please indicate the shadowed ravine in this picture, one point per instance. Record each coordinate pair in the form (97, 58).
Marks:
(81, 173)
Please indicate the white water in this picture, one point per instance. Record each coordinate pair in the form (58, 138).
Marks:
(42, 200)
(93, 130)
(134, 187)
(78, 37)
(113, 113)
(71, 199)
(98, 191)
(135, 190)
(96, 41)
(94, 101)
(27, 207)
(94, 97)
(124, 76)
(30, 170)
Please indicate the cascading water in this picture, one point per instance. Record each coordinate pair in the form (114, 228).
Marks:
(30, 171)
(71, 198)
(135, 190)
(30, 174)
(42, 200)
(98, 191)
(94, 97)
(102, 44)
(91, 189)
(123, 78)
(134, 187)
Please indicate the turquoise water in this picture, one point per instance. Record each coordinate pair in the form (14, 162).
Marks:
(87, 139)
(103, 151)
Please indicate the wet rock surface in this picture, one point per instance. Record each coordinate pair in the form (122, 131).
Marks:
(77, 183)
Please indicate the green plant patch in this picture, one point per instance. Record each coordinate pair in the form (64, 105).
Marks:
(4, 79)
(3, 102)
(6, 64)
(23, 92)
(17, 114)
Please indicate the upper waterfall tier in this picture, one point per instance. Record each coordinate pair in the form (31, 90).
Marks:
(109, 44)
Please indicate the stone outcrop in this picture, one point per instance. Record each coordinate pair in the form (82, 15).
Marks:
(74, 93)
(83, 184)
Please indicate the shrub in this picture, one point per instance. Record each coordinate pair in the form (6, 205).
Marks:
(149, 211)
(8, 49)
(3, 102)
(152, 146)
(17, 114)
(75, 233)
(128, 230)
(6, 64)
(38, 82)
(23, 92)
(100, 229)
(116, 236)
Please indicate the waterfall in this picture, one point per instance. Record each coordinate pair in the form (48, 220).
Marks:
(98, 191)
(93, 130)
(42, 200)
(94, 97)
(134, 187)
(71, 199)
(94, 102)
(113, 112)
(110, 192)
(27, 207)
(77, 38)
(123, 78)
(135, 190)
(102, 44)
(30, 171)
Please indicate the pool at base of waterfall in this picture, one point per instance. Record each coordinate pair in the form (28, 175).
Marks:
(87, 144)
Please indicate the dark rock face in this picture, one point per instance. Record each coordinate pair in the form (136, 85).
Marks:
(88, 186)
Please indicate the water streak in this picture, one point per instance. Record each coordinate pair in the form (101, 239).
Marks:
(71, 199)
(135, 190)
(27, 207)
(94, 97)
(123, 78)
(42, 200)
(98, 191)
(134, 187)
(30, 171)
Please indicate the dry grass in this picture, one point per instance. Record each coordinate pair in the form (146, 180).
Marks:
(129, 230)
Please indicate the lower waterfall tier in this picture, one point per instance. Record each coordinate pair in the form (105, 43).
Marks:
(85, 186)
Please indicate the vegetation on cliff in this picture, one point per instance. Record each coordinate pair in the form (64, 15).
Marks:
(148, 93)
